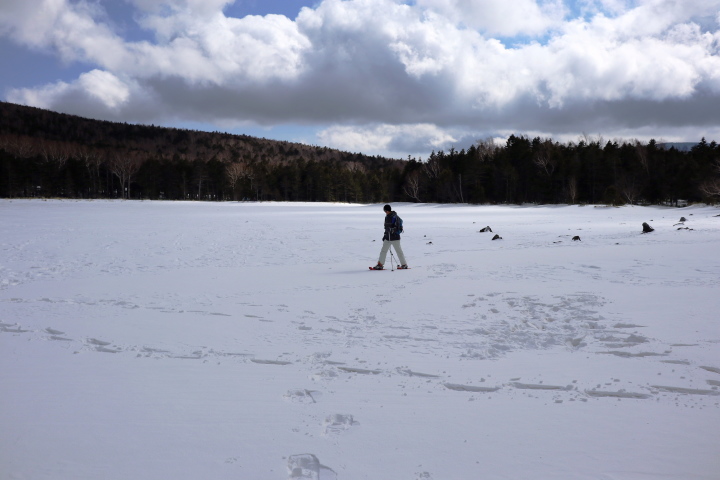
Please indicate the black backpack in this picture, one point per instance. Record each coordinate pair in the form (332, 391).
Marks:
(397, 223)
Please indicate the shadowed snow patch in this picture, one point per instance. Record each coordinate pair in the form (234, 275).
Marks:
(539, 386)
(619, 394)
(469, 388)
(270, 362)
(689, 391)
(359, 370)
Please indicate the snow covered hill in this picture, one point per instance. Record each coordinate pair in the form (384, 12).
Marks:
(183, 340)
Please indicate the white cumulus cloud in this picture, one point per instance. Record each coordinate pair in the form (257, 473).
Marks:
(388, 74)
(106, 87)
(391, 140)
(501, 17)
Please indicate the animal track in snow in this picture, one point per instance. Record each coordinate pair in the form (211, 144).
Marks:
(306, 466)
(338, 423)
(301, 396)
(102, 346)
(520, 323)
(12, 328)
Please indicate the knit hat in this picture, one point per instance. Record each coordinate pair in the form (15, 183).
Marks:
(387, 208)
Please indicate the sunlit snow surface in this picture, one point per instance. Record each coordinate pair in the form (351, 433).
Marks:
(153, 340)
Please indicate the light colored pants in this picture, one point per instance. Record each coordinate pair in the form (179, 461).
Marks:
(398, 249)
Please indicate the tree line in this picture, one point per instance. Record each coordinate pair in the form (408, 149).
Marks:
(47, 154)
(537, 170)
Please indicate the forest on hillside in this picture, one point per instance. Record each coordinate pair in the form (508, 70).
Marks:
(48, 154)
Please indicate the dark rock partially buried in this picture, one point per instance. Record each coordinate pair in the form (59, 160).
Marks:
(486, 229)
(647, 228)
(497, 237)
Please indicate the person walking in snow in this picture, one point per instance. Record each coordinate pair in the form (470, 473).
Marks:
(393, 229)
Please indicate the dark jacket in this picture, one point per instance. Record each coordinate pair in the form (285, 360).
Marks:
(391, 232)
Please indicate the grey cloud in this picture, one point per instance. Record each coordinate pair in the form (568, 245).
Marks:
(423, 146)
(324, 102)
(403, 69)
(366, 90)
(626, 114)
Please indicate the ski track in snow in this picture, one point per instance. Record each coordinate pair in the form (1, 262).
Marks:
(384, 327)
(488, 327)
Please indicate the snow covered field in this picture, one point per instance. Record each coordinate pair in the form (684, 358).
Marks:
(162, 340)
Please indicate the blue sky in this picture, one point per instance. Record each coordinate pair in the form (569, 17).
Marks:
(388, 77)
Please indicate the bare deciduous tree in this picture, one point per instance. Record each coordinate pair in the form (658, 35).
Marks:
(92, 159)
(432, 167)
(237, 172)
(572, 189)
(630, 192)
(125, 165)
(353, 167)
(710, 188)
(412, 186)
(486, 148)
(543, 160)
(55, 153)
(642, 154)
(19, 145)
(543, 157)
(6, 142)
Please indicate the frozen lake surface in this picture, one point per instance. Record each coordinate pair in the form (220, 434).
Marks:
(184, 340)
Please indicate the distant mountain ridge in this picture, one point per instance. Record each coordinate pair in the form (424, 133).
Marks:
(43, 124)
(681, 146)
(110, 159)
(49, 154)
